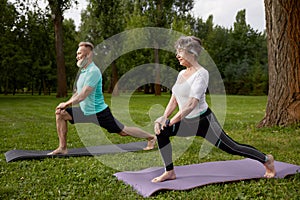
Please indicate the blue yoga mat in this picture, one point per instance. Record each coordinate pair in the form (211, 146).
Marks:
(191, 176)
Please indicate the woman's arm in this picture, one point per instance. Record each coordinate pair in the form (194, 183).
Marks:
(187, 109)
(161, 121)
(172, 105)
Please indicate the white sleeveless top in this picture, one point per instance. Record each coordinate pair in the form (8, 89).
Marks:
(195, 86)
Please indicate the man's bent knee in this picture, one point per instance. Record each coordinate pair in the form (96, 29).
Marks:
(63, 115)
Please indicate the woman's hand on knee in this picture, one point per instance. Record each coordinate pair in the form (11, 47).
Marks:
(160, 123)
(157, 128)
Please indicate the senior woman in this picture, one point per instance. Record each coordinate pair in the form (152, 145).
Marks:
(194, 116)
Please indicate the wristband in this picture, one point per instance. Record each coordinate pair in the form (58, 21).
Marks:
(167, 122)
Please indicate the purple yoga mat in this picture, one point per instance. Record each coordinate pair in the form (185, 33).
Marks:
(191, 176)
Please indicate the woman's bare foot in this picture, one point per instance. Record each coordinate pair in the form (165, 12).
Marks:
(58, 151)
(270, 168)
(168, 175)
(150, 144)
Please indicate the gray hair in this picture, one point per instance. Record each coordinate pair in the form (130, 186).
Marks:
(191, 44)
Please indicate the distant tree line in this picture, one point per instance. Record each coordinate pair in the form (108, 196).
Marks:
(27, 52)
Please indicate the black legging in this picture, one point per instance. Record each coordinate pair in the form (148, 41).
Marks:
(207, 127)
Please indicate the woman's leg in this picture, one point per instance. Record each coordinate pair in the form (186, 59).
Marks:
(184, 128)
(208, 128)
(165, 148)
(216, 135)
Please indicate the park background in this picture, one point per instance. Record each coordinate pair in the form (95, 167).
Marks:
(29, 60)
(29, 87)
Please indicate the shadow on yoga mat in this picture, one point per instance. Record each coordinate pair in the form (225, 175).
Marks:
(15, 155)
(191, 176)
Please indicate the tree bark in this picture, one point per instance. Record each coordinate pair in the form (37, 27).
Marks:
(159, 23)
(57, 16)
(60, 59)
(283, 28)
(114, 80)
(157, 86)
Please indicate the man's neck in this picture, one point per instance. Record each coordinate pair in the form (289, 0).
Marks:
(87, 64)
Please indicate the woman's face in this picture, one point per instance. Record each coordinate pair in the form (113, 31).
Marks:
(185, 58)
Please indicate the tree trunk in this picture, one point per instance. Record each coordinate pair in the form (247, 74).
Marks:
(283, 28)
(157, 73)
(57, 16)
(114, 80)
(60, 59)
(44, 86)
(159, 23)
(6, 86)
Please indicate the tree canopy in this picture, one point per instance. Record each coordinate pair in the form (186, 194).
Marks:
(28, 58)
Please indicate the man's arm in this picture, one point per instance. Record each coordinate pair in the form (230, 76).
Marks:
(86, 90)
(76, 98)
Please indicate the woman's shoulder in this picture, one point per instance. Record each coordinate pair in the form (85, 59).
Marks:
(182, 71)
(202, 70)
(202, 73)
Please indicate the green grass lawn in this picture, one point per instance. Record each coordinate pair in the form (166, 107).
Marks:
(28, 122)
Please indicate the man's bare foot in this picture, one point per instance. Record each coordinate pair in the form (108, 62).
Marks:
(150, 144)
(58, 151)
(168, 175)
(270, 168)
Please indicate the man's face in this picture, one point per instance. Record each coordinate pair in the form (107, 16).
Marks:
(82, 57)
(81, 53)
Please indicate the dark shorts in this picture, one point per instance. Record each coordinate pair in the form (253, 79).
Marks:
(105, 119)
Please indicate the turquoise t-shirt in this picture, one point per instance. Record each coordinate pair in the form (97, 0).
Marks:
(94, 102)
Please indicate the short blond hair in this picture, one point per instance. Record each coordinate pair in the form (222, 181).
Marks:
(87, 45)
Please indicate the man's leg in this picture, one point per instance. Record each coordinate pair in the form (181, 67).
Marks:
(139, 133)
(62, 118)
(112, 125)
